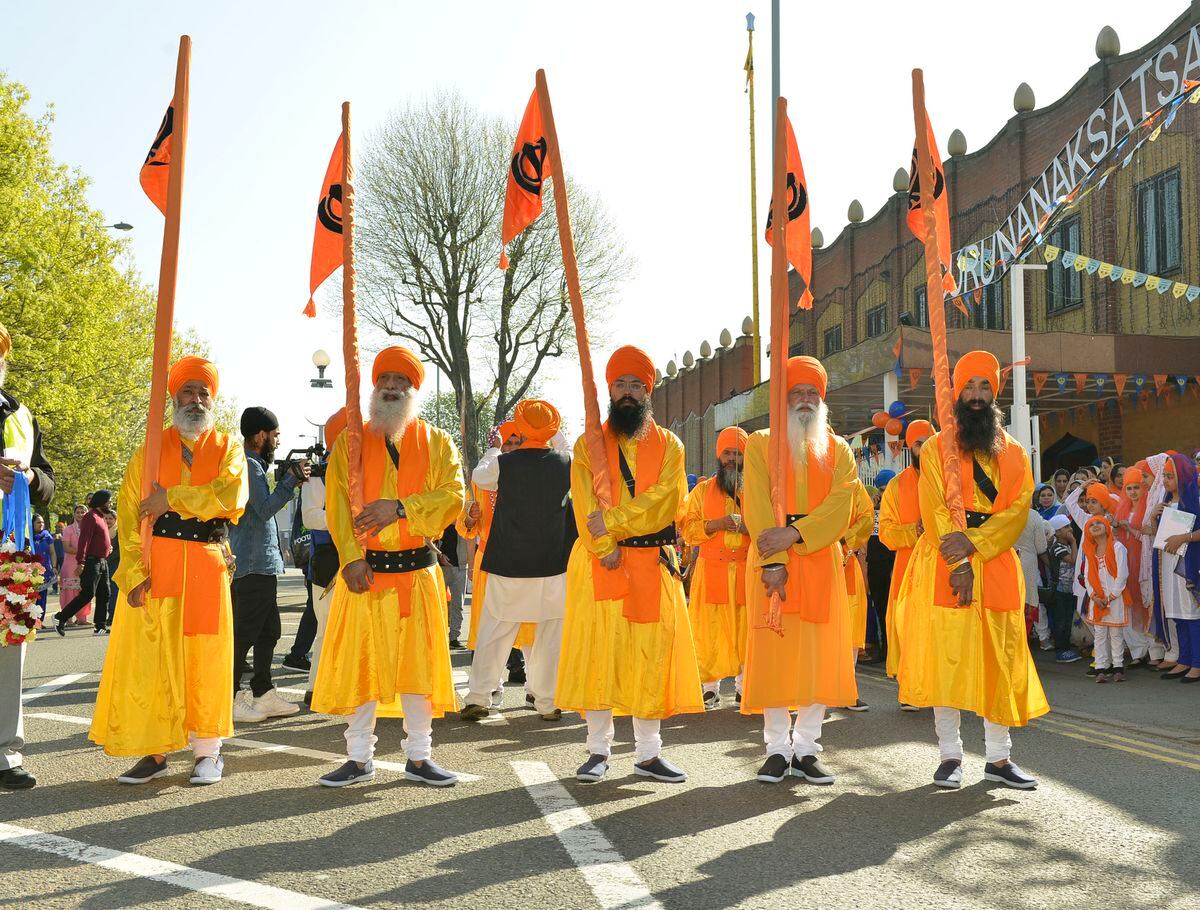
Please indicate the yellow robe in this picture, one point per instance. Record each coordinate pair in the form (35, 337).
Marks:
(371, 653)
(718, 629)
(479, 533)
(647, 669)
(970, 658)
(900, 537)
(811, 663)
(862, 523)
(158, 685)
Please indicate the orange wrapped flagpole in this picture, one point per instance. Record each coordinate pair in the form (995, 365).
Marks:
(935, 294)
(354, 421)
(592, 433)
(164, 319)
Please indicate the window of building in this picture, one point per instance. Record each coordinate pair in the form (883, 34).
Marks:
(1160, 224)
(989, 312)
(833, 340)
(796, 350)
(877, 321)
(1064, 287)
(921, 308)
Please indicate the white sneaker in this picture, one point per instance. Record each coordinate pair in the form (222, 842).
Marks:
(1046, 645)
(271, 704)
(207, 770)
(244, 709)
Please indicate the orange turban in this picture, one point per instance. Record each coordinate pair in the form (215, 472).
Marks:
(976, 363)
(5, 342)
(334, 427)
(918, 431)
(1134, 475)
(537, 421)
(732, 438)
(805, 370)
(630, 361)
(188, 368)
(507, 429)
(398, 360)
(1101, 494)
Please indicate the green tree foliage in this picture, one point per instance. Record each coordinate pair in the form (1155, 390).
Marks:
(442, 412)
(81, 322)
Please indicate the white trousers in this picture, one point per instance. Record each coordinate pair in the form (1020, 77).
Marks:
(1109, 647)
(789, 738)
(12, 724)
(321, 607)
(493, 643)
(1041, 625)
(204, 746)
(418, 728)
(647, 738)
(997, 746)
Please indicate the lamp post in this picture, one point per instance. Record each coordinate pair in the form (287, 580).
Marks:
(119, 226)
(320, 359)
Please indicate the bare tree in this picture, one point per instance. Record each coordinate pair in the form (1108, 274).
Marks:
(431, 194)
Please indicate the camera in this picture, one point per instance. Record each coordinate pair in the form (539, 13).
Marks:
(315, 455)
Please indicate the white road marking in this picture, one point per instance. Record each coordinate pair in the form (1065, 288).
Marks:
(173, 874)
(612, 880)
(53, 686)
(261, 745)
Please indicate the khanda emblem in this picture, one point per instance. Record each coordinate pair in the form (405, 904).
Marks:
(914, 183)
(797, 197)
(164, 133)
(528, 164)
(332, 220)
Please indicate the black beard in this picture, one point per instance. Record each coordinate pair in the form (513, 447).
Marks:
(978, 430)
(916, 461)
(267, 452)
(627, 417)
(729, 479)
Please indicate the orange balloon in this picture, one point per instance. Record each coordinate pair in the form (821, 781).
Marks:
(894, 426)
(880, 419)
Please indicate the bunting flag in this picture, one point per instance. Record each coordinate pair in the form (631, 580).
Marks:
(1160, 382)
(527, 171)
(914, 376)
(1080, 381)
(1080, 263)
(156, 169)
(799, 230)
(895, 445)
(1039, 383)
(328, 240)
(1119, 380)
(941, 208)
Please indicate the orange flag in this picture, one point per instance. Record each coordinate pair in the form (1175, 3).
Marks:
(941, 209)
(799, 232)
(527, 170)
(156, 169)
(914, 376)
(1119, 380)
(327, 255)
(1039, 383)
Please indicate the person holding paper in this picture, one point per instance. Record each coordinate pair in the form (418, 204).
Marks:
(1176, 569)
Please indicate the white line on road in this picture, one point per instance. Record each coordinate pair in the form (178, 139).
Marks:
(612, 880)
(53, 686)
(185, 877)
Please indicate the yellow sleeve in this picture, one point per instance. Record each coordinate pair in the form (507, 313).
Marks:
(436, 507)
(826, 524)
(337, 505)
(583, 496)
(893, 533)
(460, 523)
(655, 507)
(863, 521)
(998, 533)
(758, 513)
(132, 570)
(932, 492)
(224, 497)
(691, 523)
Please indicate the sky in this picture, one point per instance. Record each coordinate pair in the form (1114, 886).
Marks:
(651, 113)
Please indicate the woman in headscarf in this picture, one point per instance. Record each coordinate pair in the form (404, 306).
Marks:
(1045, 501)
(1176, 577)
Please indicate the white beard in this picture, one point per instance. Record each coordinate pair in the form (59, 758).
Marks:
(391, 418)
(809, 430)
(193, 420)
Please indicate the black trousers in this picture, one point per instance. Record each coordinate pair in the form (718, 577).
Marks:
(93, 584)
(1062, 616)
(255, 624)
(306, 632)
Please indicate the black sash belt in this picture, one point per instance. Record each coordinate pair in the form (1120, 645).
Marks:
(976, 519)
(662, 538)
(394, 561)
(174, 526)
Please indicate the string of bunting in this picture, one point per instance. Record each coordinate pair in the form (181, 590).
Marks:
(1081, 263)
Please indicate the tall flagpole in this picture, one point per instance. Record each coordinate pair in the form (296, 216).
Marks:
(757, 336)
(164, 319)
(354, 421)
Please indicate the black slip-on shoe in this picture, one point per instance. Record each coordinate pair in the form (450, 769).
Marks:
(429, 773)
(1009, 775)
(773, 770)
(711, 701)
(297, 663)
(16, 779)
(144, 771)
(347, 774)
(593, 769)
(811, 770)
(948, 775)
(473, 713)
(660, 769)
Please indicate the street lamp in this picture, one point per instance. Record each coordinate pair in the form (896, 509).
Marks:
(120, 226)
(320, 360)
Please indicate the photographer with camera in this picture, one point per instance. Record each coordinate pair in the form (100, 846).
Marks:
(259, 562)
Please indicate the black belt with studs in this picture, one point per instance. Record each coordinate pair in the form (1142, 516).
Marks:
(174, 526)
(401, 560)
(663, 538)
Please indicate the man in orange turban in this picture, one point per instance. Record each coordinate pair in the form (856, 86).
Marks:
(811, 664)
(899, 529)
(964, 592)
(712, 521)
(627, 647)
(167, 680)
(525, 561)
(386, 648)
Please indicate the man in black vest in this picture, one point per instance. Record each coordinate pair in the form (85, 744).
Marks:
(532, 533)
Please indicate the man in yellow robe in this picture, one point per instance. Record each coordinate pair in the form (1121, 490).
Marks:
(862, 523)
(712, 520)
(810, 665)
(166, 681)
(627, 646)
(386, 648)
(899, 529)
(962, 617)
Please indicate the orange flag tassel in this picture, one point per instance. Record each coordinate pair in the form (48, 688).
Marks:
(328, 250)
(354, 421)
(799, 235)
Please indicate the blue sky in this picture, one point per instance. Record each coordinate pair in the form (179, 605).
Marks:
(650, 110)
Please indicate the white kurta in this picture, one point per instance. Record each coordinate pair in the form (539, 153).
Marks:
(1113, 581)
(1031, 544)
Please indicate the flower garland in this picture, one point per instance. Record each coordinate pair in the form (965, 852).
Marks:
(21, 577)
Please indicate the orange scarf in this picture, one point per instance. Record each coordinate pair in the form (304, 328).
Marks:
(717, 556)
(1095, 586)
(190, 569)
(810, 583)
(410, 479)
(636, 580)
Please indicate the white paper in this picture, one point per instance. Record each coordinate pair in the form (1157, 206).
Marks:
(1174, 522)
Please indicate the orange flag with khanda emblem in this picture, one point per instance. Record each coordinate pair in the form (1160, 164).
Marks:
(941, 209)
(527, 171)
(798, 235)
(156, 169)
(327, 254)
